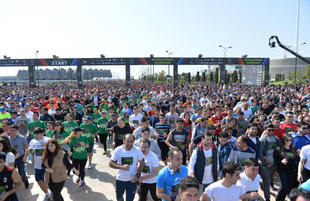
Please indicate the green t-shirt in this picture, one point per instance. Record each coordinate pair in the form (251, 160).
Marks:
(79, 151)
(103, 123)
(3, 116)
(94, 116)
(49, 133)
(69, 125)
(32, 125)
(89, 131)
(103, 107)
(59, 136)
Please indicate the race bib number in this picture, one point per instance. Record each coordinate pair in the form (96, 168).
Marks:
(79, 148)
(39, 152)
(242, 161)
(120, 137)
(15, 147)
(127, 160)
(208, 161)
(146, 169)
(175, 190)
(288, 129)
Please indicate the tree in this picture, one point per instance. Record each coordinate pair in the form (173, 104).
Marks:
(197, 77)
(234, 76)
(162, 76)
(307, 72)
(204, 76)
(211, 77)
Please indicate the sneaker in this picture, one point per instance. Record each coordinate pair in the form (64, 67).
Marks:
(104, 152)
(77, 180)
(48, 197)
(81, 183)
(90, 166)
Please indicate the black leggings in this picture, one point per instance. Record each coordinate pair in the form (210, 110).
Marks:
(103, 140)
(143, 190)
(80, 164)
(164, 149)
(305, 173)
(56, 189)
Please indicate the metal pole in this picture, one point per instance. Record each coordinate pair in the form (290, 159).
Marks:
(297, 35)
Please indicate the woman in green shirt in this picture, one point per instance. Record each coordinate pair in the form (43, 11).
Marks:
(69, 124)
(77, 150)
(60, 134)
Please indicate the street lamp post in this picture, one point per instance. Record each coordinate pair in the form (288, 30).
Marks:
(225, 49)
(297, 35)
(36, 53)
(168, 55)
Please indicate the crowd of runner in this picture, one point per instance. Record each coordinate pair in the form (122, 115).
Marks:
(193, 142)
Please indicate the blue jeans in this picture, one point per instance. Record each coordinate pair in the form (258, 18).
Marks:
(21, 168)
(130, 188)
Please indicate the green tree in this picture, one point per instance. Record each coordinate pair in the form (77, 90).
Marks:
(198, 77)
(234, 77)
(307, 72)
(211, 77)
(162, 76)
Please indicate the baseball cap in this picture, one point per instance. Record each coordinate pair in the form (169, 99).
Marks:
(87, 118)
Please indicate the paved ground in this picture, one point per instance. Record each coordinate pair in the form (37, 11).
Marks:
(99, 183)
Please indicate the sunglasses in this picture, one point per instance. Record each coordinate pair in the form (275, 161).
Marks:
(288, 140)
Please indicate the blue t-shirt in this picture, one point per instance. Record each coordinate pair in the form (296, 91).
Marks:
(300, 141)
(170, 182)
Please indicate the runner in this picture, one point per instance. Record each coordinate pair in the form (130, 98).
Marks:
(189, 189)
(90, 130)
(149, 173)
(129, 163)
(102, 131)
(78, 145)
(10, 181)
(169, 177)
(19, 144)
(37, 146)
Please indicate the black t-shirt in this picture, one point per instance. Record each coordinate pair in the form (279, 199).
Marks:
(179, 138)
(197, 139)
(120, 134)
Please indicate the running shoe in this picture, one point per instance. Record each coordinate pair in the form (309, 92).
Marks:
(104, 152)
(77, 180)
(90, 166)
(81, 183)
(48, 197)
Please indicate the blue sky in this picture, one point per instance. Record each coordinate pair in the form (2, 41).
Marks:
(137, 28)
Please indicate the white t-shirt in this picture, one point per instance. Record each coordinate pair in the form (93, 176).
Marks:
(247, 113)
(38, 149)
(218, 192)
(207, 177)
(135, 121)
(122, 157)
(305, 155)
(10, 158)
(248, 184)
(150, 161)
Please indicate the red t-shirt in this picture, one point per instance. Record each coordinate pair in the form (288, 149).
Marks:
(279, 132)
(188, 127)
(218, 121)
(288, 127)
